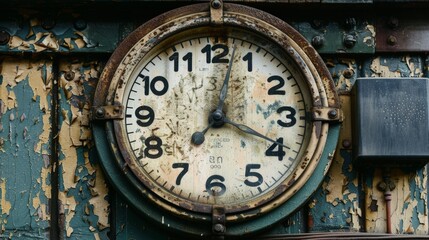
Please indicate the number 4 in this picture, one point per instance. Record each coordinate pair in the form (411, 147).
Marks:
(276, 153)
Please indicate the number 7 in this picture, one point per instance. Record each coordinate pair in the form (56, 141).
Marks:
(185, 167)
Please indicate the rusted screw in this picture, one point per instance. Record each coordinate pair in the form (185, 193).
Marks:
(349, 41)
(317, 41)
(391, 40)
(348, 73)
(393, 22)
(219, 228)
(332, 114)
(346, 143)
(386, 185)
(48, 23)
(216, 4)
(80, 24)
(4, 37)
(69, 75)
(99, 113)
(116, 109)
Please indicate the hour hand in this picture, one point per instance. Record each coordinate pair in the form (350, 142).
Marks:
(249, 130)
(198, 137)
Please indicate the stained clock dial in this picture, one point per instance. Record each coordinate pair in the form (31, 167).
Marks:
(216, 118)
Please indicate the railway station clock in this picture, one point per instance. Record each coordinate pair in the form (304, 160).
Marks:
(218, 118)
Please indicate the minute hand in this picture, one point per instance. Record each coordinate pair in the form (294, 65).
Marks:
(249, 130)
(224, 90)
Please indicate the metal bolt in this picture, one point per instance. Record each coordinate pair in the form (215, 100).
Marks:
(99, 113)
(348, 73)
(393, 22)
(346, 143)
(386, 185)
(4, 37)
(391, 40)
(48, 23)
(332, 114)
(216, 4)
(317, 41)
(69, 75)
(219, 228)
(349, 41)
(382, 186)
(350, 23)
(80, 24)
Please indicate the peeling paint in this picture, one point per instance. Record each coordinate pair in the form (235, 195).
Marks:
(24, 97)
(5, 205)
(408, 66)
(83, 188)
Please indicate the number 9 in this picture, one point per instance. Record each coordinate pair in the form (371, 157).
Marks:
(149, 117)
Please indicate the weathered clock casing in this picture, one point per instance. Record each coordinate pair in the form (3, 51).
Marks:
(323, 115)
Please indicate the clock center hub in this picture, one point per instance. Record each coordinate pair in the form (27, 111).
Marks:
(217, 119)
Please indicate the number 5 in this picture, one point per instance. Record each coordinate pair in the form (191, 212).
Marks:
(249, 173)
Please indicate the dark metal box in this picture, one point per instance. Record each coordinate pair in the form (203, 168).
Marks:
(391, 121)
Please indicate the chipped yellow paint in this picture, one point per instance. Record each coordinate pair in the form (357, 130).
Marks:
(402, 205)
(42, 41)
(97, 236)
(67, 208)
(380, 69)
(76, 133)
(101, 206)
(4, 204)
(11, 101)
(369, 40)
(13, 71)
(42, 211)
(70, 156)
(371, 28)
(414, 71)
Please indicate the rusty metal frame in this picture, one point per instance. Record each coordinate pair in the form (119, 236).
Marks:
(136, 45)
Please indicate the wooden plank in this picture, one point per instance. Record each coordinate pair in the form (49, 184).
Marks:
(82, 188)
(25, 92)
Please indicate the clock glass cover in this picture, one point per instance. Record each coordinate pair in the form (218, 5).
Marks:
(215, 117)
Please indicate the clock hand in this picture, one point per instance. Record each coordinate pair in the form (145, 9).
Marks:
(198, 137)
(224, 90)
(216, 118)
(249, 130)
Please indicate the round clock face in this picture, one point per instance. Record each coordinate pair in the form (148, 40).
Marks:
(215, 118)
